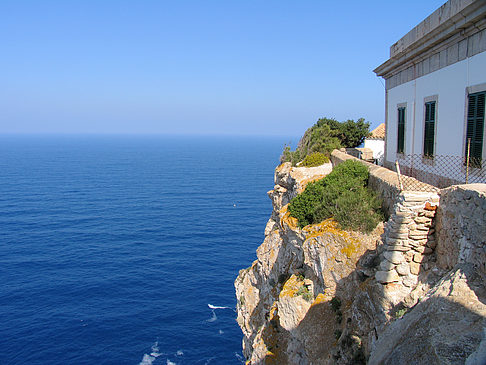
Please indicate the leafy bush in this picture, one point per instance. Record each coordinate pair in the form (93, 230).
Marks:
(315, 159)
(400, 313)
(305, 293)
(343, 195)
(325, 136)
(335, 304)
(319, 138)
(336, 307)
(290, 156)
(350, 133)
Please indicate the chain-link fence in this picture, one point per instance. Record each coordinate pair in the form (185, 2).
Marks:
(438, 171)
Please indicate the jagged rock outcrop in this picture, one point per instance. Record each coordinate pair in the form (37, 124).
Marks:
(321, 295)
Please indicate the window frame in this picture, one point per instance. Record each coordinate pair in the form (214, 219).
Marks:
(471, 126)
(430, 127)
(401, 123)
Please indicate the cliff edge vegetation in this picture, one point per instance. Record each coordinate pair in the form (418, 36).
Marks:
(401, 293)
(326, 135)
(342, 195)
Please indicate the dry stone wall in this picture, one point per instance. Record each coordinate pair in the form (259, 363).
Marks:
(408, 243)
(407, 246)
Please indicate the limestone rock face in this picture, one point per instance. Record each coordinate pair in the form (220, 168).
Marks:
(446, 327)
(285, 298)
(321, 295)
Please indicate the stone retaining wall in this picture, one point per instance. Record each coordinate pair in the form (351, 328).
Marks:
(409, 240)
(410, 244)
(461, 226)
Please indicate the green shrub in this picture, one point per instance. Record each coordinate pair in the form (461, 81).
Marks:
(315, 159)
(400, 313)
(290, 156)
(325, 136)
(343, 195)
(305, 293)
(335, 304)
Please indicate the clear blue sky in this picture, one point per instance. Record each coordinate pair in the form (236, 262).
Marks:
(199, 67)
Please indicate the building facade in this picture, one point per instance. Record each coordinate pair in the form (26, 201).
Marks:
(435, 94)
(376, 142)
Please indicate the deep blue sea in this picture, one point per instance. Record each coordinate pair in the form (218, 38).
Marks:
(117, 249)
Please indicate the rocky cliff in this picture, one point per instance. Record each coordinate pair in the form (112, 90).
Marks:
(321, 295)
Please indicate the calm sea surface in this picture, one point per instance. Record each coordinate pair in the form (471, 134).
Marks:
(123, 250)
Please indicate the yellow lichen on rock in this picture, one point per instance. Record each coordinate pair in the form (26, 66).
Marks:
(315, 230)
(291, 287)
(321, 298)
(287, 219)
(351, 248)
(303, 183)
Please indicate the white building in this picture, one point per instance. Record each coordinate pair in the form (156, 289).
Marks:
(376, 143)
(435, 93)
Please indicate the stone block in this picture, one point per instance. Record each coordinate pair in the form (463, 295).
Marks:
(419, 249)
(394, 257)
(410, 281)
(399, 236)
(414, 268)
(396, 248)
(420, 220)
(386, 265)
(403, 269)
(395, 241)
(417, 257)
(417, 235)
(385, 277)
(408, 256)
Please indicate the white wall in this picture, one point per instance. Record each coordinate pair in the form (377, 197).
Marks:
(449, 84)
(377, 146)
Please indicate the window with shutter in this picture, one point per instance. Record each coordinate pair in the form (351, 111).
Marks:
(401, 130)
(475, 128)
(429, 132)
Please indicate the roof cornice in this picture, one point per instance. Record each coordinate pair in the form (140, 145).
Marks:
(456, 18)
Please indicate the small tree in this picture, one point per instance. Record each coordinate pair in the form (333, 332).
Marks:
(350, 133)
(354, 133)
(325, 136)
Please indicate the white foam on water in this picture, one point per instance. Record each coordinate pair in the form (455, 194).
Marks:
(221, 332)
(240, 358)
(217, 307)
(213, 308)
(208, 360)
(170, 362)
(155, 350)
(179, 353)
(147, 360)
(213, 318)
